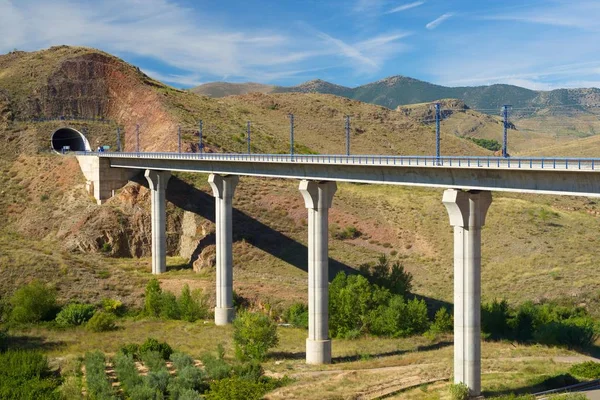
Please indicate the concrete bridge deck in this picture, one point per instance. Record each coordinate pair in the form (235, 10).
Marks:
(562, 176)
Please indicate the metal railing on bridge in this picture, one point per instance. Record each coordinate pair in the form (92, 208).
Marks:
(545, 163)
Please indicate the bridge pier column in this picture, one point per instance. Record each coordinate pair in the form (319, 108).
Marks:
(223, 189)
(158, 181)
(467, 211)
(317, 198)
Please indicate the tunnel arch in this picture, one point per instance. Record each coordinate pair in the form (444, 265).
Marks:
(69, 137)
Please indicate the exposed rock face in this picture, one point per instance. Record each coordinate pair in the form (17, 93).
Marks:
(194, 229)
(207, 260)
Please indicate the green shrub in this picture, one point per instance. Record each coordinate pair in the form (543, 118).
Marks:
(297, 315)
(251, 371)
(490, 144)
(113, 306)
(101, 322)
(187, 379)
(98, 386)
(588, 369)
(127, 372)
(494, 319)
(459, 391)
(573, 332)
(236, 389)
(399, 318)
(254, 334)
(32, 303)
(192, 305)
(442, 322)
(394, 278)
(153, 298)
(153, 360)
(349, 232)
(26, 375)
(70, 388)
(158, 379)
(215, 368)
(181, 360)
(145, 392)
(132, 349)
(162, 348)
(74, 314)
(169, 309)
(351, 299)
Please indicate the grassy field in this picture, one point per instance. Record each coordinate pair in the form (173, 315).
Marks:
(367, 367)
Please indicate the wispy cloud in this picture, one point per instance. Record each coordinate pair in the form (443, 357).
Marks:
(181, 38)
(436, 22)
(405, 7)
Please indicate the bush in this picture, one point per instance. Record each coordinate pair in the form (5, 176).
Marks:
(215, 368)
(573, 332)
(399, 318)
(98, 386)
(74, 314)
(102, 322)
(168, 306)
(442, 322)
(127, 372)
(459, 391)
(254, 334)
(588, 369)
(161, 348)
(26, 375)
(187, 379)
(349, 232)
(181, 360)
(297, 315)
(113, 306)
(153, 298)
(490, 144)
(394, 278)
(153, 360)
(494, 319)
(236, 389)
(33, 303)
(131, 349)
(192, 305)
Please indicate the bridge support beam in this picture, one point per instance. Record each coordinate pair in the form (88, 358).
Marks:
(317, 198)
(158, 181)
(467, 211)
(223, 189)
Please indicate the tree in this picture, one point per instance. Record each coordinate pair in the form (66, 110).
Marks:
(254, 334)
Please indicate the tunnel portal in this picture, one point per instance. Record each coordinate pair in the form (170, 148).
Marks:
(69, 137)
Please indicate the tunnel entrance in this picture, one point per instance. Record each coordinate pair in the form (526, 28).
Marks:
(69, 137)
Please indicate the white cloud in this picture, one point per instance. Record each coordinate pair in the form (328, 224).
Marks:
(405, 7)
(184, 38)
(187, 80)
(436, 22)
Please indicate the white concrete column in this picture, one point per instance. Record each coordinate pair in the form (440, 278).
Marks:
(223, 189)
(317, 198)
(158, 181)
(467, 211)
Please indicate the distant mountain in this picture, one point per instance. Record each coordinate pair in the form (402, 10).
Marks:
(400, 90)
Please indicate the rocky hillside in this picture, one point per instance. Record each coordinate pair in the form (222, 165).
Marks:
(401, 90)
(51, 229)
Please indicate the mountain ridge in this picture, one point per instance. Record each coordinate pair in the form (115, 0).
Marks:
(399, 90)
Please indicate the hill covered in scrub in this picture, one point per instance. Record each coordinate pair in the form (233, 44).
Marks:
(49, 221)
(400, 90)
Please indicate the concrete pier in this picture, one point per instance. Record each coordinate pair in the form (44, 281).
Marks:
(223, 189)
(317, 198)
(158, 181)
(467, 211)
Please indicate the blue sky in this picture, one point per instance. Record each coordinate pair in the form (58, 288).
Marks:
(536, 44)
